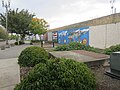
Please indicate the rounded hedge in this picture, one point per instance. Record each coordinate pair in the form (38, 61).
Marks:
(32, 55)
(59, 74)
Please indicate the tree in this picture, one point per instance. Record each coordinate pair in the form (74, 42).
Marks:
(38, 26)
(3, 33)
(18, 21)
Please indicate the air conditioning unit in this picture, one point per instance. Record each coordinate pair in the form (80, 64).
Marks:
(114, 65)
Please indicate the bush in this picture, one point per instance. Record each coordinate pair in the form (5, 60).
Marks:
(49, 42)
(59, 74)
(12, 37)
(62, 48)
(75, 46)
(20, 43)
(32, 56)
(35, 41)
(112, 49)
(3, 33)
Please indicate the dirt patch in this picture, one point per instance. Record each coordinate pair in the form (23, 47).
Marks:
(105, 82)
(24, 72)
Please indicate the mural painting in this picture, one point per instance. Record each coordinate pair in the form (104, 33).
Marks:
(74, 35)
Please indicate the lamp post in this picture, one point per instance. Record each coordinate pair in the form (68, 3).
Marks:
(6, 5)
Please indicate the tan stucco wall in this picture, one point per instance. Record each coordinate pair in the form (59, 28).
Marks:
(104, 36)
(97, 36)
(113, 18)
(49, 36)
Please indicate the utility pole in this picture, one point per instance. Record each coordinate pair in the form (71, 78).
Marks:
(113, 9)
(6, 5)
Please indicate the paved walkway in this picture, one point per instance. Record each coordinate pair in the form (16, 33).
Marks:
(3, 43)
(9, 68)
(9, 73)
(12, 52)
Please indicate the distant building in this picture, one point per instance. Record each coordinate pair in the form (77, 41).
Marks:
(102, 32)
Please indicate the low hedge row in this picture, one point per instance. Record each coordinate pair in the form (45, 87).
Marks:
(75, 46)
(19, 43)
(80, 46)
(35, 41)
(59, 74)
(112, 49)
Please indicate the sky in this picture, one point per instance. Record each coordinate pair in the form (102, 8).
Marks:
(59, 13)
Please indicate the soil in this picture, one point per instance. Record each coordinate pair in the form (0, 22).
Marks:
(105, 82)
(24, 72)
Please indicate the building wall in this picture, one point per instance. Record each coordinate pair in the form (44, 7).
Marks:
(104, 36)
(49, 36)
(113, 18)
(74, 35)
(97, 36)
(113, 34)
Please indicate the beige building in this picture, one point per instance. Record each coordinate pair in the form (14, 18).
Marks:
(103, 32)
(104, 36)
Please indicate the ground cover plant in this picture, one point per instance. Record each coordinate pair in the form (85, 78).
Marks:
(35, 41)
(112, 49)
(76, 46)
(59, 74)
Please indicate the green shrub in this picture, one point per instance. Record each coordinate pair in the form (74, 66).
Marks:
(50, 42)
(32, 56)
(62, 48)
(112, 49)
(35, 41)
(75, 46)
(71, 46)
(12, 37)
(59, 74)
(20, 43)
(108, 51)
(16, 43)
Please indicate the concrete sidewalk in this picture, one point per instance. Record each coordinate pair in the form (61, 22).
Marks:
(12, 52)
(9, 73)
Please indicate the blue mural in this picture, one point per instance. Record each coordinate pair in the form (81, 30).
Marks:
(74, 35)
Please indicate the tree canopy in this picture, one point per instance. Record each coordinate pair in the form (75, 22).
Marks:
(18, 21)
(38, 26)
(3, 34)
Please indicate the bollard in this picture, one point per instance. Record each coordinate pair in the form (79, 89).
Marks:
(53, 44)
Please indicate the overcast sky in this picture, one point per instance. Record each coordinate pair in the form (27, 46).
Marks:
(64, 12)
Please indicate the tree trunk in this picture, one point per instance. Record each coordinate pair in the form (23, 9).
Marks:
(17, 39)
(41, 43)
(35, 36)
(22, 38)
